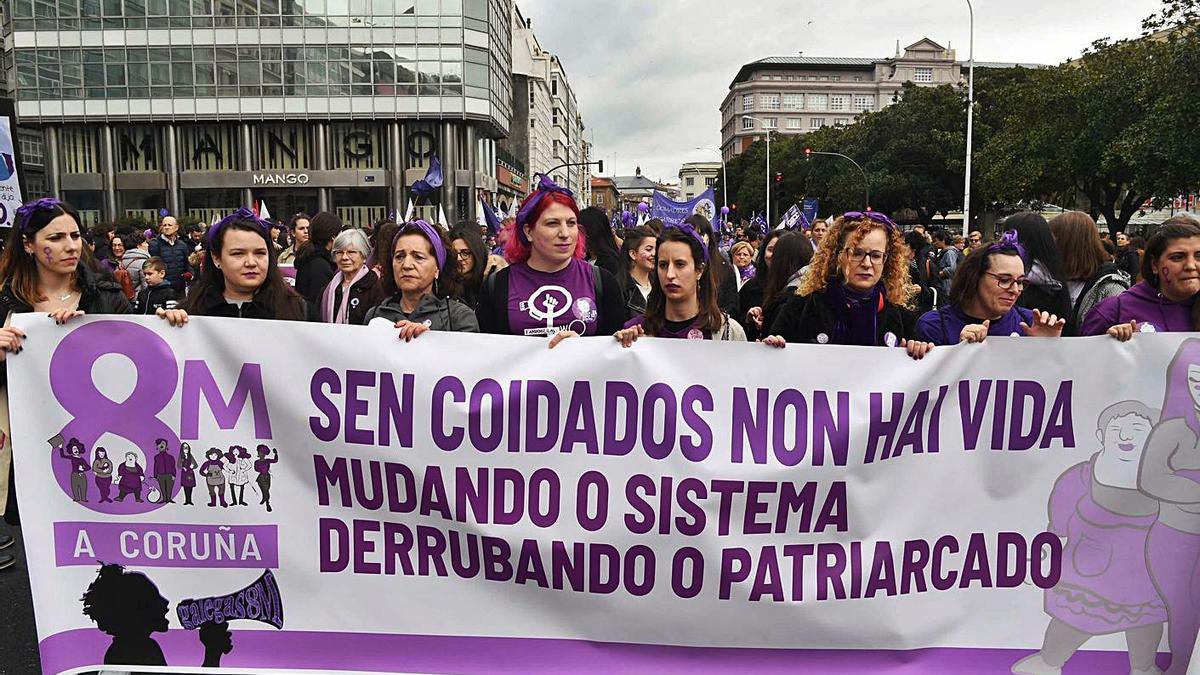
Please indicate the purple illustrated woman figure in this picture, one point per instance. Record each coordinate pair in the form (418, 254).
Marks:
(130, 478)
(102, 468)
(1104, 521)
(73, 452)
(213, 470)
(237, 472)
(1170, 472)
(262, 465)
(187, 472)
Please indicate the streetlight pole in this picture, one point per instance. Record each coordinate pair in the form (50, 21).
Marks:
(866, 181)
(768, 131)
(724, 178)
(970, 124)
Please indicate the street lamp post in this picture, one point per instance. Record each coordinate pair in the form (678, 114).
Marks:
(724, 179)
(768, 181)
(866, 181)
(970, 123)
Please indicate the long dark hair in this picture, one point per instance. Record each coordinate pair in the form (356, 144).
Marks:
(448, 283)
(275, 293)
(711, 318)
(322, 229)
(718, 266)
(1035, 235)
(633, 240)
(792, 252)
(469, 233)
(1178, 227)
(760, 260)
(18, 269)
(599, 233)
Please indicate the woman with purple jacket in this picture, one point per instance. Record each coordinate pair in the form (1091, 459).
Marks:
(1162, 301)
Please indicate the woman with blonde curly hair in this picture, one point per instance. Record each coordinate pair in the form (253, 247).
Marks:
(856, 291)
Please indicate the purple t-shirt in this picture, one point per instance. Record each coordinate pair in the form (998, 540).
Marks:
(683, 330)
(545, 303)
(944, 326)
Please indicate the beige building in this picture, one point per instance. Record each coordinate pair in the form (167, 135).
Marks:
(798, 94)
(696, 177)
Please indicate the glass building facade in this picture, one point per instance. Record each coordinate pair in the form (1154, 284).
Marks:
(201, 106)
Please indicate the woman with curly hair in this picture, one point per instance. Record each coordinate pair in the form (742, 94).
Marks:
(856, 290)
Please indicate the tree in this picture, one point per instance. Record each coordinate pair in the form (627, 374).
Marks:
(1115, 127)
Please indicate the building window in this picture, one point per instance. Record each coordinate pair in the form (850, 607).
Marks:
(923, 75)
(837, 102)
(532, 123)
(795, 123)
(747, 102)
(554, 87)
(864, 103)
(841, 121)
(747, 124)
(818, 102)
(793, 101)
(858, 78)
(710, 181)
(691, 180)
(770, 122)
(770, 101)
(816, 123)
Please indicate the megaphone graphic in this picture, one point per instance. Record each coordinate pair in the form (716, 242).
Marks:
(259, 601)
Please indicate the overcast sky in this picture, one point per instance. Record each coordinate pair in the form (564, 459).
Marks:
(650, 75)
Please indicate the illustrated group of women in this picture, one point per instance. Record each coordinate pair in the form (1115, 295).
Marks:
(567, 275)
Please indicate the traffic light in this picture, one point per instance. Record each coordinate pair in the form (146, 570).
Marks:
(807, 154)
(778, 178)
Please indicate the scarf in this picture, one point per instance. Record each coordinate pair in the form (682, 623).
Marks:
(328, 297)
(856, 314)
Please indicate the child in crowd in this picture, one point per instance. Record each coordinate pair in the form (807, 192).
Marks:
(157, 293)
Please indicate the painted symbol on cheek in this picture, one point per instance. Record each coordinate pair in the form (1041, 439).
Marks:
(49, 257)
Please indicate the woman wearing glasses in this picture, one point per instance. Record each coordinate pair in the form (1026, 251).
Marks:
(983, 300)
(856, 290)
(355, 289)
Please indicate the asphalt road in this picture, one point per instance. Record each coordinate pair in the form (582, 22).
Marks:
(18, 638)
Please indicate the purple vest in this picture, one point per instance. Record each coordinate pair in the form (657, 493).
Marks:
(545, 303)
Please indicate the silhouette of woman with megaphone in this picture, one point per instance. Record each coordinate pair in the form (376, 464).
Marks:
(128, 606)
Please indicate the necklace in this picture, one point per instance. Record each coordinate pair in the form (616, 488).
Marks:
(67, 296)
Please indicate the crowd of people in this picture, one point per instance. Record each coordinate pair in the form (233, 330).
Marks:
(556, 272)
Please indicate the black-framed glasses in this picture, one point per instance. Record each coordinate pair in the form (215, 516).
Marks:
(463, 254)
(857, 255)
(1007, 282)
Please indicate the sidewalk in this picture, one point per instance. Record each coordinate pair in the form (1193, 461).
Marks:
(18, 653)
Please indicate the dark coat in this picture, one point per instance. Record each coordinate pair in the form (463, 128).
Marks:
(313, 273)
(214, 304)
(151, 298)
(805, 318)
(365, 294)
(175, 257)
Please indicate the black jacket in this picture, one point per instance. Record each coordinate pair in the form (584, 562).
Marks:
(806, 318)
(313, 273)
(151, 298)
(101, 295)
(365, 294)
(635, 302)
(214, 304)
(174, 256)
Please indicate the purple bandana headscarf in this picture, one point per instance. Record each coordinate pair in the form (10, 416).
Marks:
(241, 214)
(544, 187)
(424, 228)
(876, 216)
(25, 211)
(1008, 242)
(687, 229)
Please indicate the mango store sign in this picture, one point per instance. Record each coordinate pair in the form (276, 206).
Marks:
(280, 178)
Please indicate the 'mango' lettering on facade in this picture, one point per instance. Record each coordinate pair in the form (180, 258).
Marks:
(280, 179)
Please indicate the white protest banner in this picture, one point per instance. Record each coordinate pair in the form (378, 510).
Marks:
(467, 503)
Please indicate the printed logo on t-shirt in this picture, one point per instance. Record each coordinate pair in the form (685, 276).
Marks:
(695, 334)
(548, 303)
